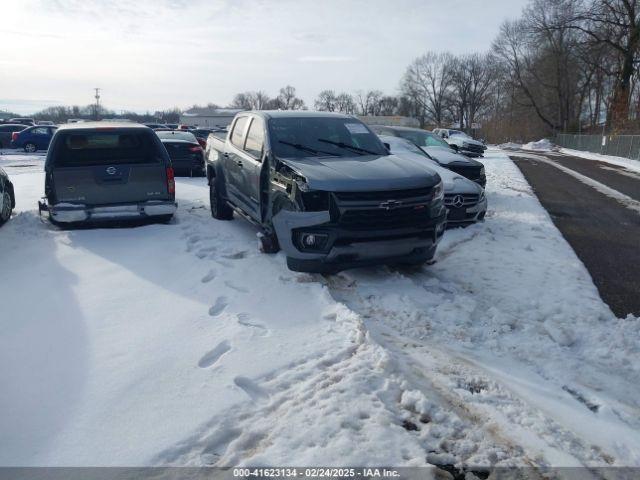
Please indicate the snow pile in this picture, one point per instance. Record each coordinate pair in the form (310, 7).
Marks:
(181, 344)
(541, 145)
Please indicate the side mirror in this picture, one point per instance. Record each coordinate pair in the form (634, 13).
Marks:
(387, 146)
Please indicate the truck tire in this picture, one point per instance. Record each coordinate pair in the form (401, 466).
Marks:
(6, 207)
(220, 209)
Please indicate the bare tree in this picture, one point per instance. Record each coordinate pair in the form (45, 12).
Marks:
(288, 100)
(427, 82)
(326, 101)
(251, 101)
(345, 104)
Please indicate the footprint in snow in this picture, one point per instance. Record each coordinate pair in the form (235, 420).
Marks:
(203, 252)
(237, 255)
(218, 307)
(212, 357)
(209, 276)
(251, 388)
(235, 287)
(244, 319)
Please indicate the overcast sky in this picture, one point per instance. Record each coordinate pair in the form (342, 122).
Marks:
(156, 54)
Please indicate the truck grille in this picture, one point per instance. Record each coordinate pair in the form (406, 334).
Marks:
(381, 219)
(383, 196)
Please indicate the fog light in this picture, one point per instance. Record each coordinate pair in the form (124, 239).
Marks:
(313, 241)
(309, 240)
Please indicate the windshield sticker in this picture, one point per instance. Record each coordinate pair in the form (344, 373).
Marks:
(356, 128)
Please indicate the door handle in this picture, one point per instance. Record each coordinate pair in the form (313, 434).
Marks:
(239, 163)
(225, 155)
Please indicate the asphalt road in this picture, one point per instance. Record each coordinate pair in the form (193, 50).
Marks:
(604, 233)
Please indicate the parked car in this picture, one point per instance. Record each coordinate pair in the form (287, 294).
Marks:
(461, 142)
(202, 134)
(439, 150)
(187, 156)
(45, 122)
(172, 126)
(32, 139)
(7, 197)
(465, 200)
(24, 121)
(6, 132)
(156, 125)
(323, 187)
(99, 171)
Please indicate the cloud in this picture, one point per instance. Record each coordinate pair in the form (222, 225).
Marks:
(326, 59)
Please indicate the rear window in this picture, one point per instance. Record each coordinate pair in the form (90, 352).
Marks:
(176, 135)
(101, 148)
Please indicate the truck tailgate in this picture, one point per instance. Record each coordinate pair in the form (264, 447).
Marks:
(111, 184)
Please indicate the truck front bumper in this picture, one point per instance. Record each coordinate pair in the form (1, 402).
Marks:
(344, 249)
(77, 213)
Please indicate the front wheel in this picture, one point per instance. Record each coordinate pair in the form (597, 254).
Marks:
(6, 207)
(220, 209)
(30, 147)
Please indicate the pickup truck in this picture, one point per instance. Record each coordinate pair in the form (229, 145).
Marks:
(323, 188)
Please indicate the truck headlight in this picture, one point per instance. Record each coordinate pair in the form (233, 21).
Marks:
(315, 200)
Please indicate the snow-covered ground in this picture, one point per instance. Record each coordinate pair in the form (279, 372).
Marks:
(181, 344)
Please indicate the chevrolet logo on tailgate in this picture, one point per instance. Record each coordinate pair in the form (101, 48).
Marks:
(390, 204)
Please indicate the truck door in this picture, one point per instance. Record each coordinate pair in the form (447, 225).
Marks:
(252, 165)
(232, 161)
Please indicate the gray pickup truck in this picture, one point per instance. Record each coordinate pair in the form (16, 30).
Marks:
(324, 188)
(104, 172)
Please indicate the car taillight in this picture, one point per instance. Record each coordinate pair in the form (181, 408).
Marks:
(14, 136)
(203, 143)
(171, 181)
(195, 149)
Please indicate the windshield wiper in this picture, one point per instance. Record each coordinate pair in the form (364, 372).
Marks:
(306, 149)
(351, 147)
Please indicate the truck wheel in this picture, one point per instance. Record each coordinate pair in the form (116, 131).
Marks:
(220, 209)
(269, 243)
(6, 206)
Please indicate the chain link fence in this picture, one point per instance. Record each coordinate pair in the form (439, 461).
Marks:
(627, 146)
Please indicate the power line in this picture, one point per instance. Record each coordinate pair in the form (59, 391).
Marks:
(97, 97)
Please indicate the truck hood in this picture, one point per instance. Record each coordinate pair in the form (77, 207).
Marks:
(362, 173)
(445, 156)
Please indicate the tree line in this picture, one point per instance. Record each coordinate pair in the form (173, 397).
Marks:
(563, 66)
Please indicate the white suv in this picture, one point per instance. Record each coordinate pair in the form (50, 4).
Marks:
(460, 141)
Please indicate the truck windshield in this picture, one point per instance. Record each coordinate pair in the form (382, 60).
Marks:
(330, 136)
(423, 139)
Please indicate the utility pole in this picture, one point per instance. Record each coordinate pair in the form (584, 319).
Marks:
(97, 97)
